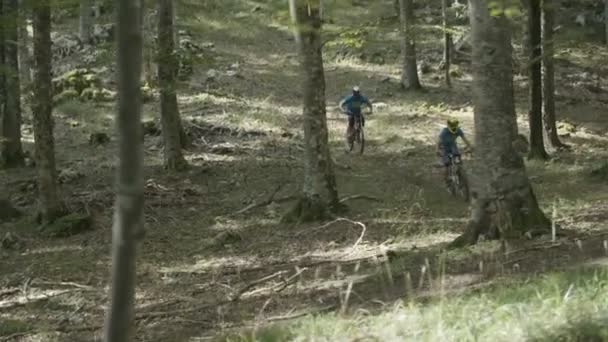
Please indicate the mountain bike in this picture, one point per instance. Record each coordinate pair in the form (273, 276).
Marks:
(457, 180)
(357, 136)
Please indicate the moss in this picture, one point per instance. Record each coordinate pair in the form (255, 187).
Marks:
(68, 225)
(66, 95)
(12, 326)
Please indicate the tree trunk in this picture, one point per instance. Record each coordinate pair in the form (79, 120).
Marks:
(447, 42)
(85, 27)
(25, 58)
(503, 202)
(606, 19)
(320, 190)
(167, 71)
(409, 72)
(128, 218)
(549, 73)
(11, 151)
(535, 115)
(51, 207)
(148, 47)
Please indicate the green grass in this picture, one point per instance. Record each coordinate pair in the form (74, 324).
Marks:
(12, 326)
(564, 306)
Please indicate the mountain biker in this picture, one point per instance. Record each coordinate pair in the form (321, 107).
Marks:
(351, 105)
(447, 146)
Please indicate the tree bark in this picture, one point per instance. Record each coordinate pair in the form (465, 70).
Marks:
(606, 20)
(25, 58)
(11, 150)
(319, 191)
(549, 118)
(128, 223)
(51, 207)
(409, 72)
(535, 115)
(503, 202)
(167, 71)
(447, 42)
(85, 27)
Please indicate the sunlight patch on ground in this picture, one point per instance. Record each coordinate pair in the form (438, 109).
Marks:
(54, 249)
(211, 264)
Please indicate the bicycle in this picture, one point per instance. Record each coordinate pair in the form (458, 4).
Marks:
(357, 135)
(457, 181)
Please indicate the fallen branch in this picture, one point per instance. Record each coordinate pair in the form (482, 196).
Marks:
(64, 283)
(290, 280)
(359, 196)
(535, 247)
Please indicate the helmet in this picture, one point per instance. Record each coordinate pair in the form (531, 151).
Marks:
(453, 125)
(356, 90)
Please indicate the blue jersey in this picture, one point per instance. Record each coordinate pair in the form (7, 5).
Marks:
(447, 139)
(354, 103)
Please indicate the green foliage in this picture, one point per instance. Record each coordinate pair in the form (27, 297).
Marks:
(508, 8)
(561, 306)
(352, 39)
(68, 225)
(12, 326)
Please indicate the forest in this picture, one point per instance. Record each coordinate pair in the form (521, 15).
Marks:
(303, 170)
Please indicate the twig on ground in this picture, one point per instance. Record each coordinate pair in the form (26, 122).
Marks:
(15, 336)
(271, 199)
(254, 283)
(360, 196)
(535, 247)
(290, 280)
(8, 292)
(300, 314)
(64, 283)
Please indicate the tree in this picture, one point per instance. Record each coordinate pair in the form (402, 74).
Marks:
(51, 207)
(86, 21)
(606, 19)
(167, 72)
(447, 42)
(535, 115)
(548, 18)
(409, 72)
(128, 223)
(319, 191)
(25, 58)
(503, 202)
(11, 151)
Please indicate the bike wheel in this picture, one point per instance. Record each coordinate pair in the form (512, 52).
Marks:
(463, 185)
(361, 140)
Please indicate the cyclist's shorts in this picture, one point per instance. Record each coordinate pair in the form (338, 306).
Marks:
(446, 151)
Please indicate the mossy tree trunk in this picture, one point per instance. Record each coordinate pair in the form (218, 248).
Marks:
(51, 206)
(320, 193)
(25, 57)
(447, 42)
(503, 202)
(535, 115)
(128, 217)
(549, 119)
(11, 150)
(85, 25)
(409, 71)
(167, 73)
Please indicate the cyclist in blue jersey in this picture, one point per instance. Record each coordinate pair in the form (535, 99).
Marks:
(351, 106)
(447, 147)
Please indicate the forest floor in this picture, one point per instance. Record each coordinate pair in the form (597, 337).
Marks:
(213, 264)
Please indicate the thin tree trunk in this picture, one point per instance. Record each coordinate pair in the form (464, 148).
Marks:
(11, 151)
(128, 223)
(86, 21)
(51, 207)
(549, 73)
(447, 42)
(409, 72)
(25, 58)
(606, 19)
(535, 115)
(503, 202)
(167, 65)
(319, 190)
